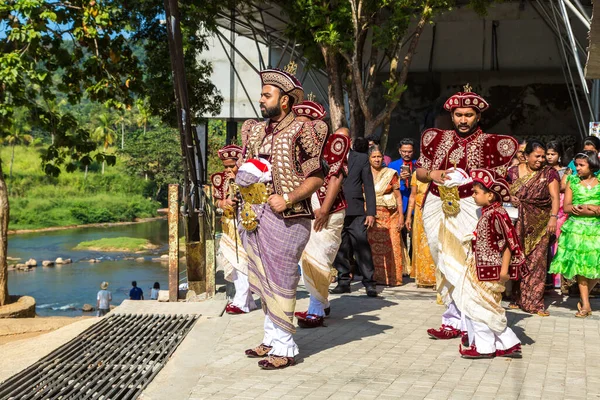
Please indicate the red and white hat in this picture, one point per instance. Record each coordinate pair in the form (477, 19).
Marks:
(310, 109)
(254, 170)
(230, 152)
(466, 99)
(493, 182)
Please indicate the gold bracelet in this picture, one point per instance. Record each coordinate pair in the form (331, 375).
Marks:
(428, 177)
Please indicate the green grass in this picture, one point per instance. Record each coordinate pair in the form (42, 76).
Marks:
(116, 244)
(39, 201)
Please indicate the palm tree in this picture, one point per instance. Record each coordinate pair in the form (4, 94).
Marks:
(17, 135)
(105, 132)
(143, 116)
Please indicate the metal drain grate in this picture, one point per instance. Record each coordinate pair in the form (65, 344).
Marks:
(113, 359)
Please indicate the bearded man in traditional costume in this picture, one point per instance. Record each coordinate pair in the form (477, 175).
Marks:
(276, 216)
(449, 211)
(231, 255)
(329, 207)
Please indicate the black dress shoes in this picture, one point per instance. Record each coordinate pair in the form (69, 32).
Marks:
(339, 289)
(371, 291)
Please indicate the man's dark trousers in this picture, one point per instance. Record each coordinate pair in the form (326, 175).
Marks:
(354, 237)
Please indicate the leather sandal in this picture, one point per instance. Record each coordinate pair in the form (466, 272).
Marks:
(262, 350)
(543, 313)
(276, 362)
(583, 314)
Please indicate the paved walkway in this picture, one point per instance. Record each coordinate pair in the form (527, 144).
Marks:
(378, 348)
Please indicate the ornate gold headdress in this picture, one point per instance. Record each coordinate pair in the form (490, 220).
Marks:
(291, 68)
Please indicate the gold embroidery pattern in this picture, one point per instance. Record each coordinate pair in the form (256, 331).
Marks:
(428, 136)
(475, 150)
(285, 175)
(456, 155)
(445, 145)
(506, 147)
(450, 200)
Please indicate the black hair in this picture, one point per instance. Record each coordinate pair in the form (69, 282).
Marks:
(373, 138)
(592, 141)
(291, 100)
(406, 142)
(361, 145)
(373, 149)
(591, 158)
(133, 283)
(558, 147)
(486, 190)
(156, 285)
(532, 145)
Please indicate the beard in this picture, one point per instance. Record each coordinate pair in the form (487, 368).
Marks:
(472, 128)
(270, 112)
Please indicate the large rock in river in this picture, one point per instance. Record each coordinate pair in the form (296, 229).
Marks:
(87, 308)
(31, 262)
(19, 307)
(47, 263)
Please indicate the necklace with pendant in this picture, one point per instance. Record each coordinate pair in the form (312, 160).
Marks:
(587, 184)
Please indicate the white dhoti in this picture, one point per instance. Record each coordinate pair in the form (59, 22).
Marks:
(446, 238)
(233, 259)
(317, 258)
(282, 341)
(484, 318)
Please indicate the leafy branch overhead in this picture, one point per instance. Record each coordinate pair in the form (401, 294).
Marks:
(366, 48)
(111, 52)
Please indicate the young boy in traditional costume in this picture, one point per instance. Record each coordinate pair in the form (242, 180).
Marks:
(496, 257)
(231, 254)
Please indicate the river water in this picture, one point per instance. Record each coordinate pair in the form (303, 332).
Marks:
(63, 290)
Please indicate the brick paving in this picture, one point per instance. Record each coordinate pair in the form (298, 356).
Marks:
(378, 349)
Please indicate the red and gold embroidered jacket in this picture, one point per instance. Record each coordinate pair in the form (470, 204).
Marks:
(335, 153)
(494, 233)
(445, 149)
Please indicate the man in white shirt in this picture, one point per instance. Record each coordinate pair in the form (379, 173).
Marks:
(103, 300)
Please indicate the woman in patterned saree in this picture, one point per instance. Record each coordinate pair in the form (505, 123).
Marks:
(535, 191)
(384, 237)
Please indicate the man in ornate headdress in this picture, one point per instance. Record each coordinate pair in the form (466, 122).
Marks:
(449, 211)
(329, 206)
(277, 214)
(231, 254)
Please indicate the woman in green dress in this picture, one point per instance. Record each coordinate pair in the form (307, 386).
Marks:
(578, 251)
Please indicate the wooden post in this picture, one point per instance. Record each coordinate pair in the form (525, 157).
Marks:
(210, 247)
(173, 218)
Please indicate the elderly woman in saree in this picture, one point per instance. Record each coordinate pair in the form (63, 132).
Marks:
(535, 191)
(384, 237)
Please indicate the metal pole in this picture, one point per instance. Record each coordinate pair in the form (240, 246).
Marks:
(173, 220)
(231, 67)
(239, 78)
(584, 19)
(584, 85)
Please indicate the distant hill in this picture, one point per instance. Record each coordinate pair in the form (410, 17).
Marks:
(39, 201)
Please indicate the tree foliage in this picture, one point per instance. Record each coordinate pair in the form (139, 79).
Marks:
(91, 49)
(155, 155)
(364, 45)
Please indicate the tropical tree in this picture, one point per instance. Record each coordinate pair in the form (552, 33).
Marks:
(358, 42)
(105, 133)
(143, 114)
(17, 134)
(93, 46)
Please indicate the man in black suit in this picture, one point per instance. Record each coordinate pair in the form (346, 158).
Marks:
(357, 221)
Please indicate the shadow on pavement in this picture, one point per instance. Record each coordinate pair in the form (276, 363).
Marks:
(347, 323)
(513, 319)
